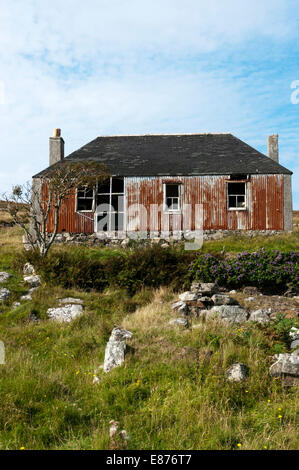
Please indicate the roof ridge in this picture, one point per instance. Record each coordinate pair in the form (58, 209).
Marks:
(166, 134)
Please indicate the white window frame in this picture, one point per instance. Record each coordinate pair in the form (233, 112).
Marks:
(110, 194)
(166, 208)
(93, 198)
(236, 195)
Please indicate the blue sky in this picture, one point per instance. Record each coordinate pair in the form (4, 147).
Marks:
(104, 67)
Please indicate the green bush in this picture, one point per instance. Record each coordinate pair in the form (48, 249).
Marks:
(143, 267)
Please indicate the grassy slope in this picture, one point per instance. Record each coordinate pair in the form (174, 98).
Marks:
(167, 396)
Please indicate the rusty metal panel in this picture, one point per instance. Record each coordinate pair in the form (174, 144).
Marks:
(264, 205)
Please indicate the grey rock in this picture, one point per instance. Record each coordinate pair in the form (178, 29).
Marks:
(295, 344)
(65, 314)
(237, 372)
(208, 288)
(228, 313)
(16, 305)
(26, 297)
(251, 290)
(180, 322)
(285, 365)
(180, 307)
(250, 299)
(71, 300)
(28, 269)
(33, 280)
(259, 316)
(233, 292)
(4, 276)
(223, 299)
(294, 333)
(188, 297)
(116, 348)
(4, 294)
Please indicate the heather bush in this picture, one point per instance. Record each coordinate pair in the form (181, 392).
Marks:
(268, 269)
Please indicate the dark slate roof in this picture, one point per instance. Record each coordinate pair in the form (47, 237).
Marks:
(181, 154)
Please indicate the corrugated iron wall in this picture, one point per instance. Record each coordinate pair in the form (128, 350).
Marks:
(264, 205)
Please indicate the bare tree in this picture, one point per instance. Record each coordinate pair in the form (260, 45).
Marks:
(31, 204)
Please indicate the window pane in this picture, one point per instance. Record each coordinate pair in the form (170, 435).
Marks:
(103, 200)
(104, 187)
(117, 203)
(102, 222)
(232, 201)
(172, 190)
(117, 185)
(84, 204)
(236, 188)
(241, 201)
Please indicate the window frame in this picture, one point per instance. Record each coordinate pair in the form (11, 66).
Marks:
(93, 199)
(166, 208)
(236, 195)
(111, 194)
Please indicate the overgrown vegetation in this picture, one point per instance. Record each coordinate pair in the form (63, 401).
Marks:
(171, 392)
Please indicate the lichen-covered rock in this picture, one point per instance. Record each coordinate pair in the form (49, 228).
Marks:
(116, 348)
(180, 322)
(33, 280)
(180, 307)
(286, 367)
(188, 297)
(4, 276)
(237, 373)
(65, 314)
(28, 269)
(259, 316)
(223, 299)
(4, 294)
(205, 288)
(295, 344)
(228, 313)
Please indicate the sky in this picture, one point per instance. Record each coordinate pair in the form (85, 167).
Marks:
(106, 67)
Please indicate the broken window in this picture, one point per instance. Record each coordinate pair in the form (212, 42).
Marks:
(236, 193)
(110, 206)
(84, 200)
(172, 197)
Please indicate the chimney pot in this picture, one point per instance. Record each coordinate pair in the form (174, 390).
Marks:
(56, 147)
(273, 149)
(57, 133)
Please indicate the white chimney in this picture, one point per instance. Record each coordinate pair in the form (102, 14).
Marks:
(273, 150)
(56, 146)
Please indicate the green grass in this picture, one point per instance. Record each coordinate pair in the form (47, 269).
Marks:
(167, 395)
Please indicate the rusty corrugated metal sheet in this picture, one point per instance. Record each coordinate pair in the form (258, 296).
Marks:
(264, 205)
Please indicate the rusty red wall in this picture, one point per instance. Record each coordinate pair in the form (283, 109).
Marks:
(265, 205)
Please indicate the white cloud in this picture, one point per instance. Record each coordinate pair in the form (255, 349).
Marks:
(128, 66)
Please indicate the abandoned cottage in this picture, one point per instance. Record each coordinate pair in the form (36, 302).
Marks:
(164, 186)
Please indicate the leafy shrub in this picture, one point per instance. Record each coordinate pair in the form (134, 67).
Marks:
(264, 268)
(143, 267)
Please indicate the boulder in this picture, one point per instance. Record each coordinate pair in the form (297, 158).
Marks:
(228, 313)
(207, 288)
(180, 322)
(33, 280)
(28, 269)
(71, 300)
(4, 294)
(116, 348)
(4, 276)
(223, 299)
(188, 297)
(180, 307)
(294, 333)
(237, 372)
(65, 314)
(295, 344)
(259, 316)
(286, 367)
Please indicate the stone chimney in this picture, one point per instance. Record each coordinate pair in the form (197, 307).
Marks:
(56, 146)
(273, 151)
